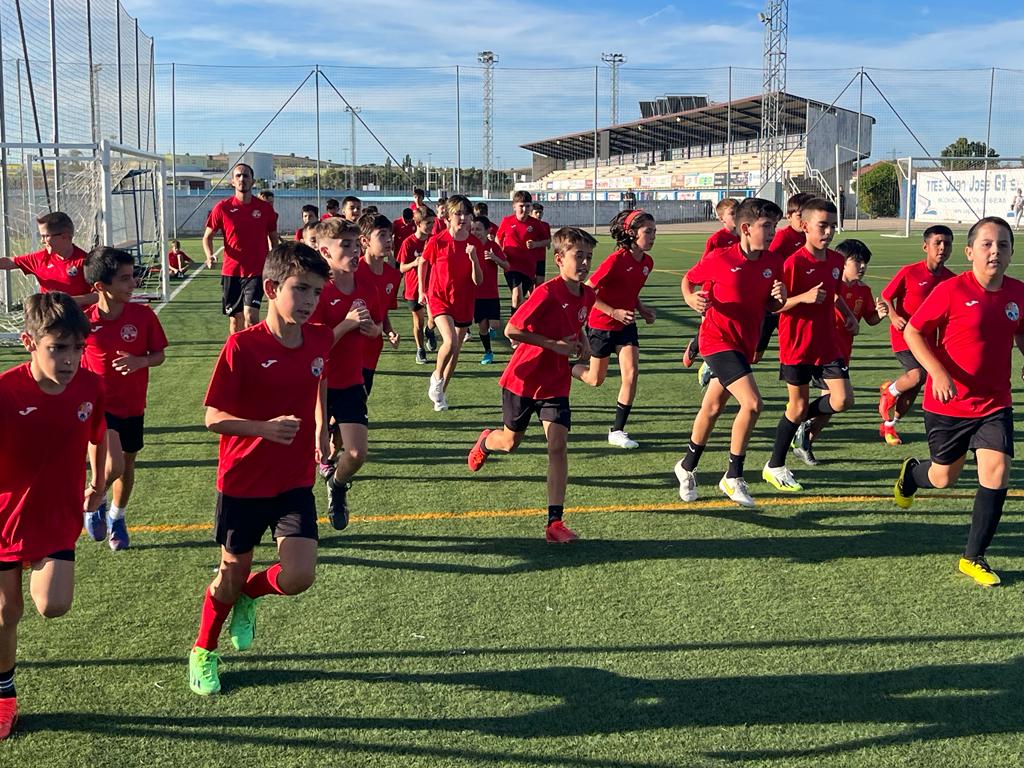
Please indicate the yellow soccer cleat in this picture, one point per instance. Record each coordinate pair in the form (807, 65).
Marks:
(902, 498)
(781, 479)
(978, 569)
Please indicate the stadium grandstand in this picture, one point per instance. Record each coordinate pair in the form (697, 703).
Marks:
(689, 148)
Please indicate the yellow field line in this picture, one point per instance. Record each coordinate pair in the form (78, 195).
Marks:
(475, 514)
(670, 271)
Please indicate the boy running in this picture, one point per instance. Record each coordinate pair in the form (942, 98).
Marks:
(410, 256)
(487, 305)
(377, 244)
(514, 232)
(539, 242)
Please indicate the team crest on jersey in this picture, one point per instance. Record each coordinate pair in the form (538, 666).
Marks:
(766, 274)
(835, 273)
(84, 411)
(858, 306)
(389, 288)
(257, 213)
(358, 304)
(1013, 311)
(317, 367)
(72, 271)
(583, 314)
(646, 271)
(529, 228)
(129, 332)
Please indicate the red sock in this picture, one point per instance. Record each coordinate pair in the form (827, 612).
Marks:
(211, 620)
(263, 583)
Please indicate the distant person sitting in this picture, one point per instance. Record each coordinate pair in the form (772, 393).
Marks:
(177, 261)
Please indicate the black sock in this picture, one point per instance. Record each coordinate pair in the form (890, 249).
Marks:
(555, 512)
(917, 477)
(7, 684)
(693, 452)
(485, 339)
(820, 407)
(784, 435)
(988, 508)
(735, 465)
(621, 414)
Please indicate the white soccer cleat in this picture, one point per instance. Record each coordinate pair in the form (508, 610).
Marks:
(441, 404)
(621, 439)
(687, 482)
(435, 391)
(736, 489)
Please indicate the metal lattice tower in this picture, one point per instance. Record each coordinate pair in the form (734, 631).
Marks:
(776, 32)
(614, 60)
(488, 59)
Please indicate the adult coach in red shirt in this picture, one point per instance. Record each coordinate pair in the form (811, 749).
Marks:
(250, 231)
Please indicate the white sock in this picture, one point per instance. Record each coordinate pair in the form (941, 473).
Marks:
(893, 391)
(892, 423)
(116, 512)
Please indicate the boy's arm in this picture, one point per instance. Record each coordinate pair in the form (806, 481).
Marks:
(558, 346)
(98, 467)
(852, 324)
(86, 299)
(942, 383)
(478, 273)
(695, 300)
(208, 246)
(274, 238)
(6, 262)
(125, 363)
(814, 295)
(281, 429)
(323, 437)
(353, 320)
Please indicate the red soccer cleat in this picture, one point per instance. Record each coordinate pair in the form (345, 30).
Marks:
(886, 401)
(557, 533)
(690, 354)
(889, 434)
(8, 716)
(477, 457)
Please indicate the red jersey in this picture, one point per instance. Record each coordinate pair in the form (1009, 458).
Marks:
(739, 291)
(907, 290)
(787, 240)
(402, 229)
(861, 301)
(43, 439)
(618, 282)
(554, 311)
(345, 367)
(177, 259)
(488, 288)
(542, 231)
(136, 331)
(440, 225)
(247, 229)
(971, 331)
(807, 331)
(387, 284)
(492, 231)
(723, 238)
(451, 290)
(298, 234)
(512, 236)
(410, 250)
(54, 273)
(258, 378)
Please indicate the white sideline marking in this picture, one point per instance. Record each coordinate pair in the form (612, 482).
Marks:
(180, 288)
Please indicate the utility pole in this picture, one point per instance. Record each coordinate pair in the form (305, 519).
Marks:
(353, 111)
(488, 59)
(614, 60)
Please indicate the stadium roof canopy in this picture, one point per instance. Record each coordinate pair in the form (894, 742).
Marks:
(703, 125)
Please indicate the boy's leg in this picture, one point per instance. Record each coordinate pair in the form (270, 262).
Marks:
(123, 486)
(775, 471)
(456, 346)
(96, 522)
(355, 438)
(748, 397)
(298, 564)
(11, 609)
(516, 413)
(711, 407)
(629, 371)
(446, 325)
(52, 584)
(557, 435)
(993, 480)
(417, 328)
(484, 328)
(131, 444)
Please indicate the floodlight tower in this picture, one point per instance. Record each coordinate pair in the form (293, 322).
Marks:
(614, 60)
(488, 59)
(776, 32)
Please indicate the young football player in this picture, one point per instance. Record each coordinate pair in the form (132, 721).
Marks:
(58, 266)
(377, 244)
(177, 261)
(487, 305)
(410, 256)
(310, 215)
(513, 233)
(540, 240)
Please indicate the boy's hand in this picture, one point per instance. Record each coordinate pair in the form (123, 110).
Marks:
(852, 325)
(898, 322)
(471, 252)
(698, 301)
(779, 292)
(358, 315)
(323, 444)
(281, 429)
(529, 245)
(649, 314)
(93, 499)
(125, 363)
(583, 344)
(881, 309)
(624, 316)
(209, 261)
(815, 295)
(566, 346)
(943, 387)
(393, 339)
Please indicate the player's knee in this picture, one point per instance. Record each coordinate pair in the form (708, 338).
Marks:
(356, 456)
(557, 445)
(115, 468)
(712, 409)
(297, 579)
(11, 612)
(754, 406)
(50, 607)
(841, 401)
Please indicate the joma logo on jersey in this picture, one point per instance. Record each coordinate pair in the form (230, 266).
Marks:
(84, 411)
(317, 367)
(129, 333)
(1013, 311)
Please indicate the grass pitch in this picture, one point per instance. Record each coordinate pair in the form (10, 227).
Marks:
(823, 629)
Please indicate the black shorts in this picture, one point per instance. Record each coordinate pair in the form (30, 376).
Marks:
(950, 437)
(486, 309)
(728, 366)
(908, 361)
(517, 410)
(526, 282)
(240, 523)
(540, 269)
(805, 373)
(240, 292)
(368, 380)
(129, 430)
(67, 555)
(348, 405)
(604, 343)
(413, 305)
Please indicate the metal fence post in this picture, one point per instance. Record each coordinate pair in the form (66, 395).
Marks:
(457, 175)
(174, 155)
(138, 88)
(596, 119)
(6, 302)
(860, 113)
(728, 140)
(53, 100)
(316, 84)
(120, 87)
(988, 141)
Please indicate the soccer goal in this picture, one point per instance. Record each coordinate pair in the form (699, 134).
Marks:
(114, 194)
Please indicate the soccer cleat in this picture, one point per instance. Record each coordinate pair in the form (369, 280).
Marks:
(118, 534)
(736, 489)
(557, 533)
(621, 439)
(337, 503)
(202, 671)
(687, 482)
(435, 391)
(704, 375)
(487, 359)
(242, 628)
(781, 479)
(96, 523)
(899, 495)
(421, 357)
(431, 338)
(690, 353)
(493, 333)
(886, 401)
(8, 716)
(477, 457)
(326, 470)
(888, 433)
(978, 569)
(802, 444)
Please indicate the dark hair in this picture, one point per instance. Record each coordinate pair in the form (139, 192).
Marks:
(310, 225)
(54, 314)
(571, 237)
(482, 220)
(854, 249)
(102, 263)
(176, 242)
(623, 237)
(371, 222)
(293, 257)
(796, 202)
(266, 194)
(252, 171)
(332, 203)
(310, 208)
(938, 229)
(57, 223)
(750, 209)
(998, 221)
(522, 196)
(350, 199)
(537, 207)
(480, 209)
(417, 192)
(818, 204)
(407, 215)
(371, 209)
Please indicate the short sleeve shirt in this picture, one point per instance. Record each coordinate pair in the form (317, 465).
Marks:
(907, 290)
(618, 282)
(54, 273)
(345, 367)
(861, 302)
(247, 228)
(807, 331)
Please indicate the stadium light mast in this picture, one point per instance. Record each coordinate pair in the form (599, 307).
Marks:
(776, 33)
(488, 59)
(352, 137)
(614, 60)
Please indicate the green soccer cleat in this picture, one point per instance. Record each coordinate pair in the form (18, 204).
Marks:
(202, 671)
(242, 628)
(781, 479)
